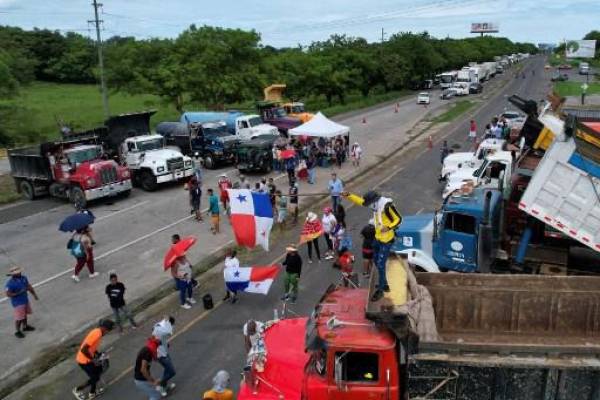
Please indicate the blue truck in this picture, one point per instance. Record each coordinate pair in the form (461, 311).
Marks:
(243, 126)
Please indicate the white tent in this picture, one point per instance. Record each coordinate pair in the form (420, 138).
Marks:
(320, 126)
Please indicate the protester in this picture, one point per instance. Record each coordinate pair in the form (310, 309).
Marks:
(82, 249)
(220, 389)
(252, 331)
(115, 291)
(472, 131)
(195, 197)
(356, 154)
(487, 133)
(16, 289)
(340, 214)
(368, 235)
(290, 167)
(282, 206)
(162, 331)
(142, 377)
(293, 269)
(344, 262)
(337, 236)
(181, 270)
(213, 211)
(386, 219)
(231, 263)
(293, 203)
(444, 151)
(224, 183)
(311, 163)
(312, 229)
(197, 160)
(89, 360)
(336, 187)
(329, 222)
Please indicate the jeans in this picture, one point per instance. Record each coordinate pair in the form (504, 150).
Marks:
(93, 372)
(335, 200)
(382, 251)
(291, 176)
(312, 174)
(185, 290)
(148, 389)
(125, 311)
(169, 370)
(291, 284)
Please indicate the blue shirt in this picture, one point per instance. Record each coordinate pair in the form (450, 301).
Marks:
(213, 204)
(336, 187)
(18, 285)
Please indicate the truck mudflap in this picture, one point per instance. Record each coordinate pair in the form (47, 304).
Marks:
(111, 189)
(175, 175)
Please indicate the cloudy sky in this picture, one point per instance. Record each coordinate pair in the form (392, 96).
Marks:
(288, 23)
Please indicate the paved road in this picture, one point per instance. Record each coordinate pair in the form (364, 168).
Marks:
(208, 341)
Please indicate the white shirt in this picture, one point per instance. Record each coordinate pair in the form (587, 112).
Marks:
(232, 262)
(162, 330)
(260, 328)
(329, 222)
(183, 269)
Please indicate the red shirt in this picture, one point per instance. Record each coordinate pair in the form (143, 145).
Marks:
(345, 261)
(473, 127)
(224, 184)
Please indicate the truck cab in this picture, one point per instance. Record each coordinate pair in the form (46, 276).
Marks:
(468, 159)
(296, 109)
(461, 236)
(275, 115)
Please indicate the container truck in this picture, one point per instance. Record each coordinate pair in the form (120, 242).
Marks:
(465, 75)
(243, 126)
(438, 336)
(74, 169)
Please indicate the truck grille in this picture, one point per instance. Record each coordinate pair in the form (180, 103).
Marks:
(175, 164)
(108, 175)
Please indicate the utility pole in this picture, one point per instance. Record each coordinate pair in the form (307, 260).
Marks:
(382, 35)
(97, 23)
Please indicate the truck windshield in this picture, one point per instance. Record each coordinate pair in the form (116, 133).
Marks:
(255, 121)
(83, 155)
(146, 145)
(279, 112)
(215, 131)
(298, 109)
(446, 78)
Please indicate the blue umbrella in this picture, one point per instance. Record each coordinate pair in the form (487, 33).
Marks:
(76, 221)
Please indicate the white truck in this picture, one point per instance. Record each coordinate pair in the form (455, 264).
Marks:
(243, 126)
(564, 191)
(465, 75)
(469, 159)
(447, 79)
(462, 88)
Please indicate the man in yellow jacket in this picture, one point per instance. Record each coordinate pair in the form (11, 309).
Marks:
(386, 218)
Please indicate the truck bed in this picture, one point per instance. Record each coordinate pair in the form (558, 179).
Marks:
(29, 163)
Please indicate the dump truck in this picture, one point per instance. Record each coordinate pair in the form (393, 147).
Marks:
(438, 336)
(73, 168)
(294, 109)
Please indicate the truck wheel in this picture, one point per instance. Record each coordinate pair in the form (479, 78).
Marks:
(77, 197)
(209, 162)
(148, 181)
(26, 188)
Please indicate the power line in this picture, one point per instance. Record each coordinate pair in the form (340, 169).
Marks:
(97, 23)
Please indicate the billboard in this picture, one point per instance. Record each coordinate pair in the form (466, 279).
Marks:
(581, 48)
(484, 27)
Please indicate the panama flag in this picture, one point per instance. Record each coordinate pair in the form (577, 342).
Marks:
(250, 279)
(251, 217)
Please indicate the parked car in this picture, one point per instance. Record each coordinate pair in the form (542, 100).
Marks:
(448, 93)
(423, 98)
(475, 88)
(558, 77)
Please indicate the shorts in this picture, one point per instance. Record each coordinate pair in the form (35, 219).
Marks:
(20, 312)
(367, 254)
(214, 219)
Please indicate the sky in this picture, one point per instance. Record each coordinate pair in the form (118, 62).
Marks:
(284, 23)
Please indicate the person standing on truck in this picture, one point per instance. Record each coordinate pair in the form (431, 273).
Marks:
(16, 289)
(88, 359)
(386, 219)
(82, 240)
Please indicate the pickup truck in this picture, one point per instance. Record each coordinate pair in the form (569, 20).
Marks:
(474, 337)
(467, 159)
(243, 126)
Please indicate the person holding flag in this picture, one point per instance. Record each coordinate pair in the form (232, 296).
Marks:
(311, 231)
(386, 219)
(251, 217)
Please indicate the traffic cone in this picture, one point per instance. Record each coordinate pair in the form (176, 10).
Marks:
(430, 143)
(364, 120)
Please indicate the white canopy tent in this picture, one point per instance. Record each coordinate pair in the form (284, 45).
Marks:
(320, 126)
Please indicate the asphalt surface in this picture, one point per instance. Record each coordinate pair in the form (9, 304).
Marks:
(209, 341)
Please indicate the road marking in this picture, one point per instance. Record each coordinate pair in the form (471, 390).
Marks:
(123, 210)
(420, 211)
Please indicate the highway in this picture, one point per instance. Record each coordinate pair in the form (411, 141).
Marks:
(207, 341)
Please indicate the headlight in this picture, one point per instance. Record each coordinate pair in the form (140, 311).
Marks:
(91, 182)
(125, 173)
(160, 169)
(188, 163)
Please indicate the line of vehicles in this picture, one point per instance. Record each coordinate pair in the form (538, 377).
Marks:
(109, 160)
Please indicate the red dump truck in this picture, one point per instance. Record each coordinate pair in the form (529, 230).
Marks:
(500, 337)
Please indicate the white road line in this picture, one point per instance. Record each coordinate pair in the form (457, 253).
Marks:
(123, 210)
(420, 211)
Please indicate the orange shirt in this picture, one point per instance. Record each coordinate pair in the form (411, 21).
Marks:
(212, 395)
(93, 341)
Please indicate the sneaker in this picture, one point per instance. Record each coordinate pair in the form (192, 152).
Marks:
(329, 257)
(29, 328)
(186, 306)
(171, 386)
(19, 334)
(75, 278)
(162, 390)
(285, 297)
(234, 300)
(377, 295)
(310, 261)
(95, 274)
(77, 393)
(191, 300)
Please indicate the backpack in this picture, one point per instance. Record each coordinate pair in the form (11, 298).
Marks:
(75, 247)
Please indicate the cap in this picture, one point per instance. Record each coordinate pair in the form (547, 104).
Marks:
(370, 197)
(15, 269)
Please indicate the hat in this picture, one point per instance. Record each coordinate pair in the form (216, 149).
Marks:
(291, 247)
(311, 216)
(370, 197)
(15, 269)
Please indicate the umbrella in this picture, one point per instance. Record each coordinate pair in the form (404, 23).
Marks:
(289, 153)
(177, 250)
(76, 221)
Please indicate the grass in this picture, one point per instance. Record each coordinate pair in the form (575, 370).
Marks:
(458, 108)
(8, 191)
(567, 88)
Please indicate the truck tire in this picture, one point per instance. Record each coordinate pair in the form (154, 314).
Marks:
(27, 190)
(148, 181)
(209, 162)
(77, 198)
